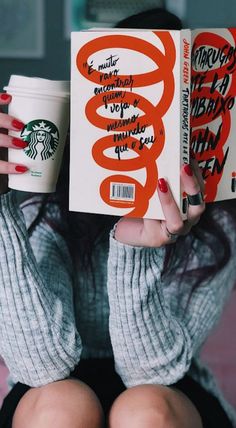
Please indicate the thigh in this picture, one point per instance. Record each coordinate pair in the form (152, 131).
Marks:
(209, 407)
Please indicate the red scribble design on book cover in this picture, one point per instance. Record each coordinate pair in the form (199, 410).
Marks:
(152, 114)
(213, 97)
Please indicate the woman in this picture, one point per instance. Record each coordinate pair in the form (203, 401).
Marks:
(164, 289)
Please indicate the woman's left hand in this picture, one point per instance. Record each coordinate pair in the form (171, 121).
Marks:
(156, 233)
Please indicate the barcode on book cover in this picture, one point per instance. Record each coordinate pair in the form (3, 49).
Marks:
(122, 192)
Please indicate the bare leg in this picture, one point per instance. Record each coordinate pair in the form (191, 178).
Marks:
(153, 406)
(67, 403)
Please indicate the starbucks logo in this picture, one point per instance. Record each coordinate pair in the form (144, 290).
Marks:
(42, 137)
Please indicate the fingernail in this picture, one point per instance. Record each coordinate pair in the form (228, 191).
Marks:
(188, 170)
(162, 185)
(18, 124)
(21, 168)
(192, 154)
(5, 97)
(19, 143)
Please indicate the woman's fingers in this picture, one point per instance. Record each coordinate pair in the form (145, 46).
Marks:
(166, 232)
(173, 224)
(12, 142)
(170, 209)
(5, 98)
(158, 233)
(153, 233)
(10, 122)
(195, 191)
(7, 121)
(11, 168)
(197, 171)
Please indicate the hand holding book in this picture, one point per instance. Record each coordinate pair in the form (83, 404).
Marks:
(9, 123)
(131, 103)
(156, 233)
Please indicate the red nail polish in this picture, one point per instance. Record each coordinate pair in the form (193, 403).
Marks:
(18, 124)
(5, 97)
(162, 185)
(21, 168)
(19, 143)
(188, 170)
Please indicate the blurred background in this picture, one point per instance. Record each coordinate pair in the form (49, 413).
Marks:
(35, 35)
(35, 41)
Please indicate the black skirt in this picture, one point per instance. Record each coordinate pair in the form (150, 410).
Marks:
(100, 375)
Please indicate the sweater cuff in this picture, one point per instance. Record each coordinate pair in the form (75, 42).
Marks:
(134, 254)
(8, 200)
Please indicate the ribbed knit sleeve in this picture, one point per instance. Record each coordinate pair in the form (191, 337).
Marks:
(38, 338)
(151, 342)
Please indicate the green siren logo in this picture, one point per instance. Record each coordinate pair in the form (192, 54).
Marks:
(43, 139)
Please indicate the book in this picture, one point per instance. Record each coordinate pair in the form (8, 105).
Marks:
(130, 119)
(213, 109)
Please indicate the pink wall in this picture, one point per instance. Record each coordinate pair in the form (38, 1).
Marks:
(220, 351)
(3, 386)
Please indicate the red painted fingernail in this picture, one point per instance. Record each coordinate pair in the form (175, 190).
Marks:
(192, 154)
(19, 143)
(5, 97)
(21, 168)
(162, 185)
(18, 124)
(188, 170)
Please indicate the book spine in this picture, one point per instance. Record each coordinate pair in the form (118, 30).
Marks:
(185, 79)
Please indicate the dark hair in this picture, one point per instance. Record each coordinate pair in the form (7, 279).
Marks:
(212, 235)
(157, 18)
(83, 231)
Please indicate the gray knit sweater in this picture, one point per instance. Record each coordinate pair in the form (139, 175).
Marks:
(133, 313)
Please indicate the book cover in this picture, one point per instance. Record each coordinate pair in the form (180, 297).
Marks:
(130, 95)
(213, 109)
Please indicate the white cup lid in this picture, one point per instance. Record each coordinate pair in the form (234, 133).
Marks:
(37, 84)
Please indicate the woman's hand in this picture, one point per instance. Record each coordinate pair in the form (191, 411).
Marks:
(7, 123)
(156, 233)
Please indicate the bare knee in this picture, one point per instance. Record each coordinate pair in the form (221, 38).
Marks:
(66, 403)
(148, 406)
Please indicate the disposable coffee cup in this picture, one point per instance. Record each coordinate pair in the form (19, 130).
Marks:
(43, 106)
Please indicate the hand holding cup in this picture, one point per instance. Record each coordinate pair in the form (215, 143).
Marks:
(9, 123)
(41, 107)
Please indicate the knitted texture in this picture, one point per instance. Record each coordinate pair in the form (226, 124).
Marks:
(38, 339)
(134, 312)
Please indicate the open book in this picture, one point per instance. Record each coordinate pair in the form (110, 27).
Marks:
(130, 117)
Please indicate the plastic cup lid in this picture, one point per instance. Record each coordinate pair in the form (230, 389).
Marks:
(37, 84)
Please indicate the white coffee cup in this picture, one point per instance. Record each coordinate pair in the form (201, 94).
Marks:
(43, 106)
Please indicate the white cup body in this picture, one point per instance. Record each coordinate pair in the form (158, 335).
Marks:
(43, 106)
